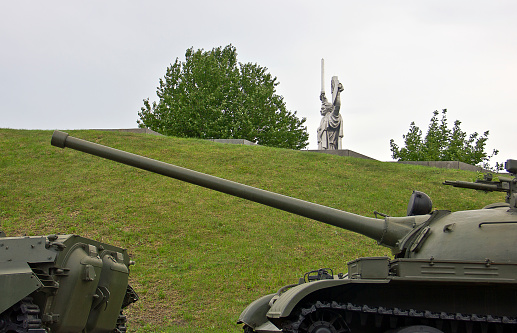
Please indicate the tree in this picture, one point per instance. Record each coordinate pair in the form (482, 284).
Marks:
(443, 144)
(212, 96)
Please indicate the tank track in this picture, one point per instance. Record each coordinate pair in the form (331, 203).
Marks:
(121, 324)
(21, 318)
(381, 319)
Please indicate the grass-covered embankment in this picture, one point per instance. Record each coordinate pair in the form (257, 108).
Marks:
(202, 256)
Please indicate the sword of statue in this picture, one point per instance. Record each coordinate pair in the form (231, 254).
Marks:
(322, 76)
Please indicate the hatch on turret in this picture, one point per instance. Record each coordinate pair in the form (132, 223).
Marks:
(419, 204)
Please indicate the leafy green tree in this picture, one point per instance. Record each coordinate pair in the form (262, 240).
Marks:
(212, 96)
(443, 144)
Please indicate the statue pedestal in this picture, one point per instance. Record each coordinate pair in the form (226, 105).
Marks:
(234, 141)
(342, 152)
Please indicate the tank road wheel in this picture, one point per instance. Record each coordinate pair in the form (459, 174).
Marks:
(415, 329)
(323, 321)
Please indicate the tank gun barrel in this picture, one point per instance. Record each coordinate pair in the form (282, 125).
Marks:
(385, 233)
(476, 186)
(488, 184)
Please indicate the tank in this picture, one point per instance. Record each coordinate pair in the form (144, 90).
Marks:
(450, 271)
(63, 283)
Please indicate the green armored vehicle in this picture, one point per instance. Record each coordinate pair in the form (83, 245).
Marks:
(451, 272)
(62, 283)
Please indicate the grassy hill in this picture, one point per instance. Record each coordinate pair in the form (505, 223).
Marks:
(202, 256)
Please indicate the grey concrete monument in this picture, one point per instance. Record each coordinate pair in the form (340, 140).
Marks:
(330, 131)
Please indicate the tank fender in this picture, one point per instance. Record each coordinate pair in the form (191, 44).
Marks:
(255, 314)
(16, 282)
(288, 300)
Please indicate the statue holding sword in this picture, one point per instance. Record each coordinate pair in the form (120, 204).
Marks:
(330, 131)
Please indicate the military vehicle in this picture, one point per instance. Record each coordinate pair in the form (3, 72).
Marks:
(62, 283)
(451, 272)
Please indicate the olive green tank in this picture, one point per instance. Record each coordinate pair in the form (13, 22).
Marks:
(62, 283)
(451, 271)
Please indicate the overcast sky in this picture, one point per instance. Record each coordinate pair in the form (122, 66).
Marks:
(89, 64)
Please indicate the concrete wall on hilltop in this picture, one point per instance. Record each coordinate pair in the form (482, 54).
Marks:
(446, 165)
(340, 152)
(131, 130)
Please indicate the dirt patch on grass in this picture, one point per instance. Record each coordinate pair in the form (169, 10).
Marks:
(155, 308)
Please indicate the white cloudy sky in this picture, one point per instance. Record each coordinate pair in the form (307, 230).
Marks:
(89, 64)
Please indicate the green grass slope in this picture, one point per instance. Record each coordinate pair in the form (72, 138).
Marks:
(202, 256)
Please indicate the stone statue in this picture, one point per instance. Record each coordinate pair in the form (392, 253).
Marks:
(330, 131)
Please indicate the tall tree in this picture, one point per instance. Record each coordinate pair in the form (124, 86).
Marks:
(443, 144)
(212, 96)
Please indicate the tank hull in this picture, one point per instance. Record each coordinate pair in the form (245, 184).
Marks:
(445, 295)
(64, 283)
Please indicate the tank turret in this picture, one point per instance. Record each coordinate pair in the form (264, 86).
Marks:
(451, 271)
